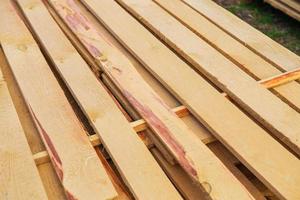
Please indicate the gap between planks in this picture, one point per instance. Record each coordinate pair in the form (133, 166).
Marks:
(181, 111)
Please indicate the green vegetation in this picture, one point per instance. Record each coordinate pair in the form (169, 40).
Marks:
(270, 21)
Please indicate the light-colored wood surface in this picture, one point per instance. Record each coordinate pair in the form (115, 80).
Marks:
(193, 156)
(113, 128)
(243, 57)
(268, 109)
(247, 35)
(237, 132)
(286, 8)
(183, 183)
(19, 177)
(47, 173)
(76, 162)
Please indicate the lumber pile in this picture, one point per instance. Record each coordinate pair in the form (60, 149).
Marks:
(142, 99)
(289, 7)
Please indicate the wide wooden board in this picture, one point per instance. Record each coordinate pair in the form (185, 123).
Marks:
(114, 130)
(193, 156)
(74, 159)
(243, 57)
(246, 34)
(237, 132)
(268, 109)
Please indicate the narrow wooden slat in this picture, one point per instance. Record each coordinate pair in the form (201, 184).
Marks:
(281, 79)
(231, 48)
(284, 8)
(247, 35)
(238, 133)
(113, 128)
(19, 177)
(49, 178)
(294, 4)
(183, 183)
(193, 156)
(279, 118)
(72, 156)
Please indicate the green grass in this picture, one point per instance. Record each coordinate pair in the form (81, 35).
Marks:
(270, 21)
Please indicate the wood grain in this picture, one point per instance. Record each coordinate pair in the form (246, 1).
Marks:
(19, 177)
(75, 162)
(261, 44)
(269, 110)
(193, 156)
(108, 121)
(243, 57)
(238, 133)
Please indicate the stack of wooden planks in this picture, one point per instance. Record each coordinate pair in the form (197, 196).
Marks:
(289, 7)
(144, 99)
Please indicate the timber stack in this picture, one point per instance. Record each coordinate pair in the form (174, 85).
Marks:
(144, 99)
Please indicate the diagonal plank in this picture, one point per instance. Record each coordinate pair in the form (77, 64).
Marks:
(74, 159)
(284, 7)
(237, 132)
(269, 110)
(193, 156)
(231, 48)
(246, 34)
(107, 120)
(19, 177)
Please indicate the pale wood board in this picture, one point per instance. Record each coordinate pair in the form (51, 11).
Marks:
(294, 4)
(49, 178)
(243, 57)
(230, 161)
(108, 121)
(19, 177)
(189, 151)
(268, 109)
(187, 188)
(237, 132)
(51, 182)
(281, 5)
(78, 168)
(246, 34)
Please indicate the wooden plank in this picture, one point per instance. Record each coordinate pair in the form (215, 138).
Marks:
(230, 161)
(49, 178)
(78, 167)
(193, 156)
(19, 176)
(270, 111)
(247, 35)
(243, 57)
(294, 4)
(123, 193)
(113, 128)
(281, 79)
(51, 182)
(183, 183)
(238, 133)
(281, 5)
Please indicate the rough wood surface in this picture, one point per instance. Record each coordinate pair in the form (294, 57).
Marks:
(238, 133)
(114, 130)
(268, 109)
(76, 163)
(193, 156)
(19, 177)
(247, 35)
